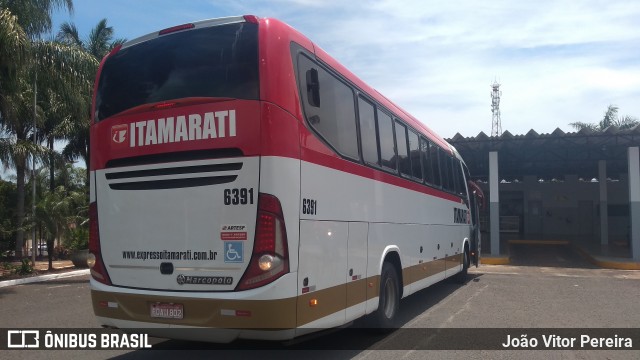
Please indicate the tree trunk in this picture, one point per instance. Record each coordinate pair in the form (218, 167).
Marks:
(52, 167)
(86, 161)
(52, 188)
(50, 242)
(20, 172)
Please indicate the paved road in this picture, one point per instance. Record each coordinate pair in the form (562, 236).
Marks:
(495, 297)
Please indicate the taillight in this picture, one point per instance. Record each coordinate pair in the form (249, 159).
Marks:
(98, 270)
(164, 105)
(251, 19)
(270, 257)
(176, 29)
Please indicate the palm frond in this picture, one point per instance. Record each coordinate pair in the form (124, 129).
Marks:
(14, 43)
(34, 16)
(68, 34)
(582, 125)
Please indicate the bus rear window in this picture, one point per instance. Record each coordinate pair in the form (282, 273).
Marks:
(217, 61)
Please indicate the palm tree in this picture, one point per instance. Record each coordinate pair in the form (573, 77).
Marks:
(99, 43)
(610, 118)
(22, 57)
(57, 210)
(34, 16)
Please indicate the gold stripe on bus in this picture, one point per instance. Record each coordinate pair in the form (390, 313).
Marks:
(373, 287)
(455, 259)
(357, 292)
(422, 271)
(259, 314)
(328, 301)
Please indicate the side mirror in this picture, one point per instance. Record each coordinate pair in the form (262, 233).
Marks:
(313, 88)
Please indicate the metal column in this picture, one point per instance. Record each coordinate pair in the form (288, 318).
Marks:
(604, 215)
(494, 203)
(634, 201)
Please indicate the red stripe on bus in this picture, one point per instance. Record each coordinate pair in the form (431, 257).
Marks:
(353, 168)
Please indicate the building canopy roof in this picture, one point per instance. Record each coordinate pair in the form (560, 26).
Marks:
(551, 155)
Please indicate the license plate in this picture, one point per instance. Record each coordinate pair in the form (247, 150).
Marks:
(167, 311)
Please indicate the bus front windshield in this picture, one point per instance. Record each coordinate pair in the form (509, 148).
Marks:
(217, 61)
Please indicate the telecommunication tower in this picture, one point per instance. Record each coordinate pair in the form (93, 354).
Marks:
(496, 126)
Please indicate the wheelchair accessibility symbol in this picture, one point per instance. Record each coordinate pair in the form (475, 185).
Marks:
(233, 251)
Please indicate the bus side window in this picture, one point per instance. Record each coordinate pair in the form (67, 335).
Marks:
(368, 138)
(461, 187)
(445, 171)
(329, 107)
(415, 155)
(404, 164)
(387, 141)
(434, 154)
(452, 174)
(426, 164)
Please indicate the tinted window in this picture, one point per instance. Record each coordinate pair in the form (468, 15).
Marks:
(414, 155)
(218, 61)
(434, 153)
(404, 164)
(445, 171)
(424, 154)
(460, 183)
(335, 118)
(387, 144)
(368, 131)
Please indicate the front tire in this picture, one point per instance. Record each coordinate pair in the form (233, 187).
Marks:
(385, 318)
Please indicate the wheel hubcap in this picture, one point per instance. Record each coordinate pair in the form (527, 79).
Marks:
(389, 294)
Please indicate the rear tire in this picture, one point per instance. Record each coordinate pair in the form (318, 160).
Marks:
(461, 277)
(385, 318)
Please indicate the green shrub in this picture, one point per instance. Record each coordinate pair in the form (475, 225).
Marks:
(25, 267)
(77, 239)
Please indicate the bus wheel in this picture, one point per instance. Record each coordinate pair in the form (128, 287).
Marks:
(461, 277)
(384, 319)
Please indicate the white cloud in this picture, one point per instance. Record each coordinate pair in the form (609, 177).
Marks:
(559, 61)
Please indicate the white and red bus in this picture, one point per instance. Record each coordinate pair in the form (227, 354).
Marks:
(243, 181)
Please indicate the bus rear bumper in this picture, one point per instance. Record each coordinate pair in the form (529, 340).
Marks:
(268, 313)
(188, 333)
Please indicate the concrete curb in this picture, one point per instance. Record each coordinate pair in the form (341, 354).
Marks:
(539, 242)
(602, 262)
(503, 260)
(41, 278)
(609, 263)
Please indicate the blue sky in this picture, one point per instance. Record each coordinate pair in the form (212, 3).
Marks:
(559, 61)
